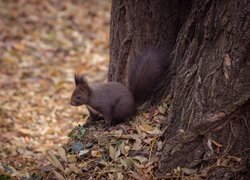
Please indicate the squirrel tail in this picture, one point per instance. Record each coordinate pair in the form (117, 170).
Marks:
(146, 72)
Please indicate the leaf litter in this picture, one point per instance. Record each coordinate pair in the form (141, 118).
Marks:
(121, 152)
(42, 45)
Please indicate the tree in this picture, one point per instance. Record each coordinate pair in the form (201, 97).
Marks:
(209, 76)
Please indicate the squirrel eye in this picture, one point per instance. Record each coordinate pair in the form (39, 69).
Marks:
(78, 97)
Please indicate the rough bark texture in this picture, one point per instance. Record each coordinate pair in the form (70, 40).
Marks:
(139, 24)
(209, 77)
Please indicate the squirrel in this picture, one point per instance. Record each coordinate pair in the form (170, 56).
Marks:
(114, 101)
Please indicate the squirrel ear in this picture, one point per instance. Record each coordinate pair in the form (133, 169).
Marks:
(81, 81)
(77, 79)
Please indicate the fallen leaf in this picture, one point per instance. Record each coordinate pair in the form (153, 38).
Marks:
(162, 109)
(75, 169)
(155, 131)
(96, 153)
(114, 153)
(148, 140)
(111, 176)
(54, 161)
(122, 148)
(58, 175)
(189, 171)
(126, 163)
(72, 158)
(146, 127)
(141, 159)
(117, 133)
(83, 152)
(119, 176)
(62, 153)
(137, 145)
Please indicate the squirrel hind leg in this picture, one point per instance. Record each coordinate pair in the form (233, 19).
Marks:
(123, 111)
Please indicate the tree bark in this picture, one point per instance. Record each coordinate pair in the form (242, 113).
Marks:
(209, 76)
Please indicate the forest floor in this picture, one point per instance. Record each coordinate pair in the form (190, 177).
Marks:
(42, 45)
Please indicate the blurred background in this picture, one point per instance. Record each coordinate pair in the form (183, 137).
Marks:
(42, 44)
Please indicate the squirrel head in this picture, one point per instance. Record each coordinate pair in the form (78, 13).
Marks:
(81, 92)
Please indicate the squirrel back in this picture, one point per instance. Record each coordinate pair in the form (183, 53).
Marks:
(146, 71)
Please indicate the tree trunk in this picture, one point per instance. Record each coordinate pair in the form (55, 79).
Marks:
(208, 80)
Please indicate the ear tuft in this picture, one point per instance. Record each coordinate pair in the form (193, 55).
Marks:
(79, 79)
(81, 82)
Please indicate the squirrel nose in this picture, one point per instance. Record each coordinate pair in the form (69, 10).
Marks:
(72, 103)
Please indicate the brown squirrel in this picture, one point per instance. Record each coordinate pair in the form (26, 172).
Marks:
(116, 102)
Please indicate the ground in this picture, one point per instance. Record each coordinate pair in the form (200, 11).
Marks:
(42, 45)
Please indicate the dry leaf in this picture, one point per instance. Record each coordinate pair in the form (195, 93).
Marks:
(75, 169)
(96, 153)
(62, 153)
(141, 159)
(162, 109)
(117, 133)
(155, 131)
(122, 149)
(119, 176)
(148, 141)
(127, 149)
(83, 152)
(114, 153)
(19, 47)
(111, 176)
(189, 171)
(138, 130)
(126, 163)
(137, 145)
(54, 161)
(68, 171)
(72, 158)
(146, 127)
(58, 175)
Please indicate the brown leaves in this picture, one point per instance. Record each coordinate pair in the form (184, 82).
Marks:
(122, 152)
(54, 161)
(62, 153)
(42, 45)
(114, 153)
